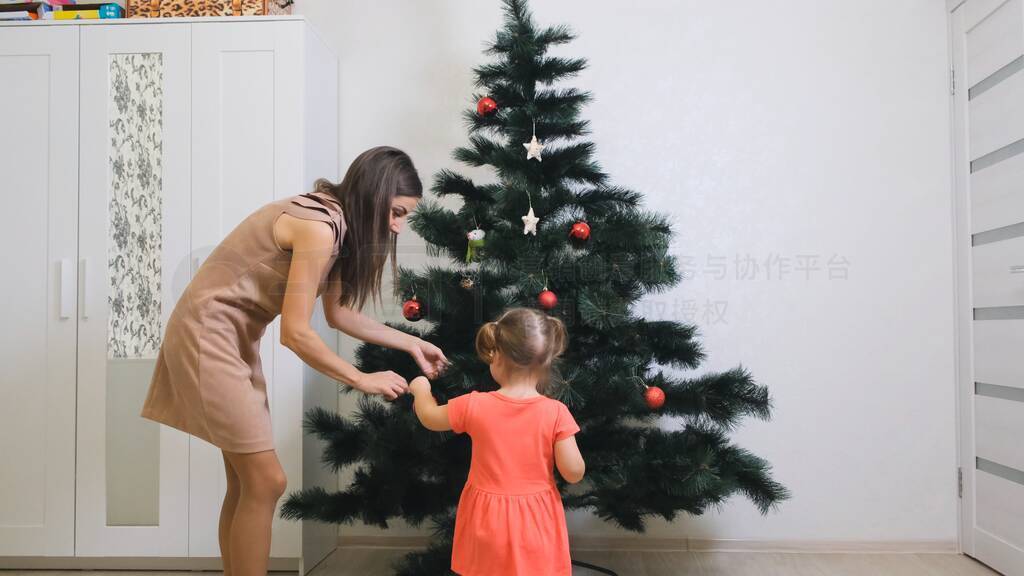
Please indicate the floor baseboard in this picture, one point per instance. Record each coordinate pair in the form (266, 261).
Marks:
(625, 544)
(130, 563)
(826, 546)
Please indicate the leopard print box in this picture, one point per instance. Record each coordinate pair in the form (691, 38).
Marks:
(193, 8)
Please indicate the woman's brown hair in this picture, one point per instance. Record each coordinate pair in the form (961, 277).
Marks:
(372, 181)
(526, 337)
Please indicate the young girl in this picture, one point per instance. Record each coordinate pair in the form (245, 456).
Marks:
(510, 520)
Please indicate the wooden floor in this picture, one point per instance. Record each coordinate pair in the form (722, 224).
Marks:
(376, 562)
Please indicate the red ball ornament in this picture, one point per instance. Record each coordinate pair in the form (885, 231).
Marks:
(547, 300)
(411, 310)
(486, 106)
(580, 231)
(655, 397)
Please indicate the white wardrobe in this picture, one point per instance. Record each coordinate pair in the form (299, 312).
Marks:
(128, 149)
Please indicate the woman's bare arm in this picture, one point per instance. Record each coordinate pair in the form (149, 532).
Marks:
(311, 244)
(428, 357)
(360, 326)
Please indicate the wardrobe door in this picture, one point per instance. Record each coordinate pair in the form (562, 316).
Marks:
(39, 186)
(246, 152)
(133, 247)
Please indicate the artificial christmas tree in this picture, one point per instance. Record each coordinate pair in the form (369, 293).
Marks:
(615, 377)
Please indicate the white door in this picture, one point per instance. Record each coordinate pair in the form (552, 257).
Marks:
(246, 152)
(134, 244)
(39, 184)
(988, 62)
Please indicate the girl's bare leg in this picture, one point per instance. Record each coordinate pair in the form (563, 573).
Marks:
(263, 482)
(227, 513)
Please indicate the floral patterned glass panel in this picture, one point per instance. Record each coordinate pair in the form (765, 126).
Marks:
(134, 256)
(134, 248)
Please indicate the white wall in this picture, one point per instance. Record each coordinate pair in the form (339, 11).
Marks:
(770, 128)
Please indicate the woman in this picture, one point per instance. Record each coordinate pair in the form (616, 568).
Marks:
(208, 379)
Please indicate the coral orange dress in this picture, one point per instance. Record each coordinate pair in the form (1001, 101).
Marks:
(510, 520)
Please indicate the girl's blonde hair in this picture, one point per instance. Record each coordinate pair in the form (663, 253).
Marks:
(527, 337)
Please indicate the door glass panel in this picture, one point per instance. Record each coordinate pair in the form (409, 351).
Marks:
(134, 257)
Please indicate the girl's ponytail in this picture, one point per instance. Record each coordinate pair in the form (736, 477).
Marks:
(557, 338)
(487, 341)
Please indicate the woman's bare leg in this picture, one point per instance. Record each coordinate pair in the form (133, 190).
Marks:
(263, 482)
(227, 513)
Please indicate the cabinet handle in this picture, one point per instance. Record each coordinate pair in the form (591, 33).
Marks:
(67, 288)
(83, 268)
(1018, 269)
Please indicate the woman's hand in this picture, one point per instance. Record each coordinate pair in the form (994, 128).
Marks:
(388, 384)
(429, 358)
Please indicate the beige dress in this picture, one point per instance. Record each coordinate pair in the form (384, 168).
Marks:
(208, 379)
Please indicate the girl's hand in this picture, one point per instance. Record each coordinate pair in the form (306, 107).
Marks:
(419, 385)
(429, 358)
(388, 384)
